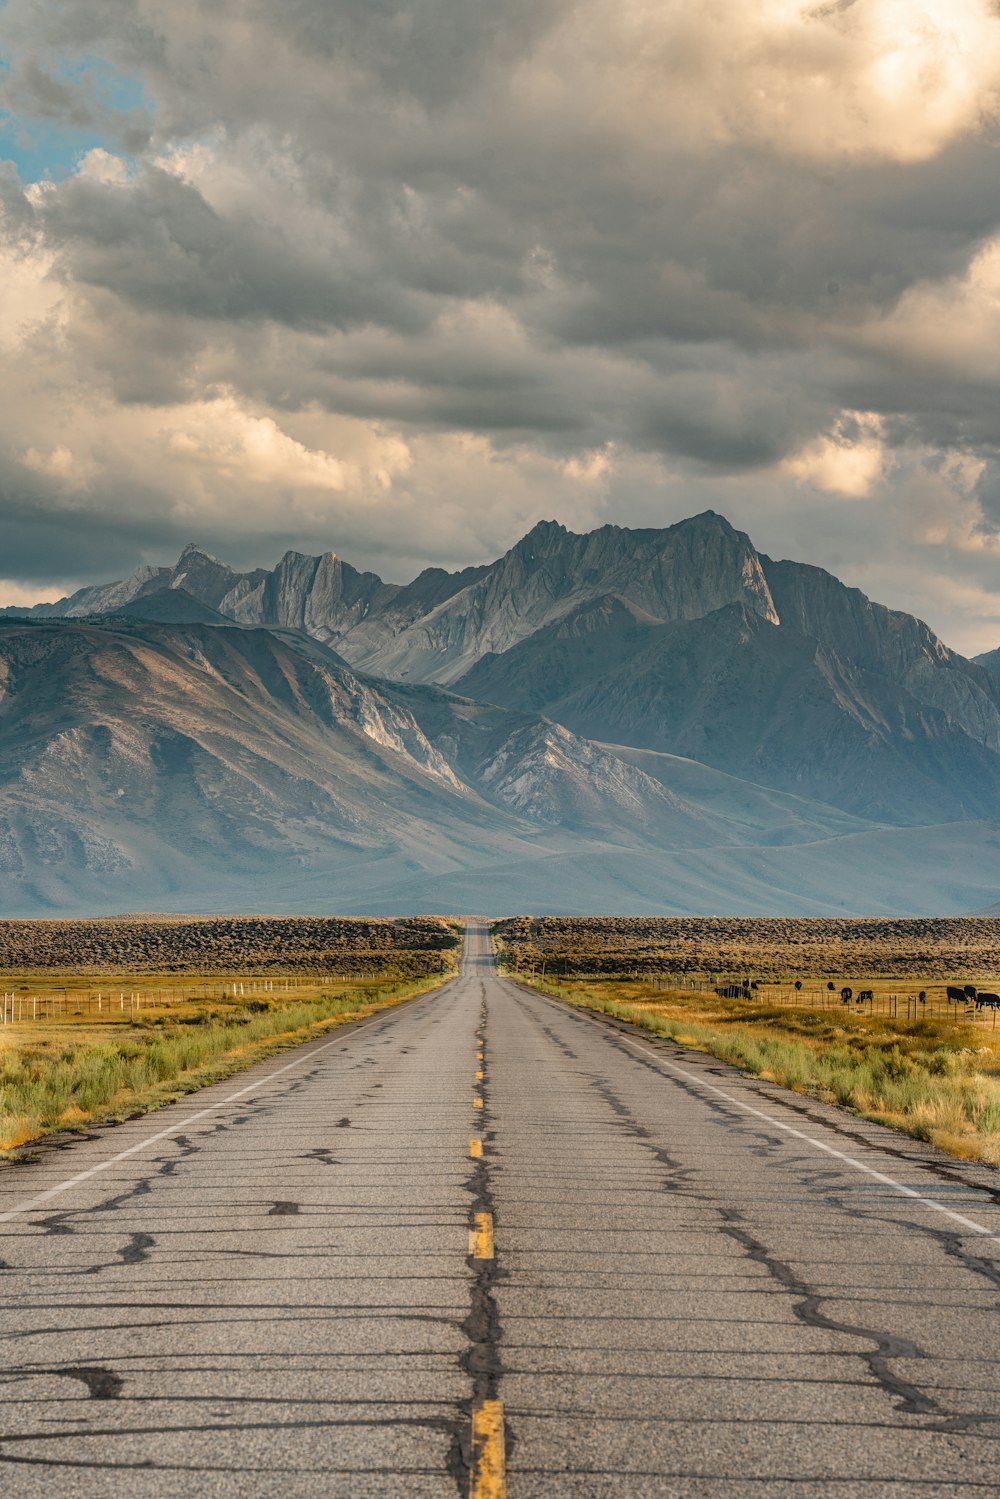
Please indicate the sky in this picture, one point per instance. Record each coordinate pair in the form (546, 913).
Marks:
(401, 277)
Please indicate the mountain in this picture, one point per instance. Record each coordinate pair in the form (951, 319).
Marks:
(764, 702)
(670, 697)
(436, 627)
(137, 755)
(174, 606)
(178, 766)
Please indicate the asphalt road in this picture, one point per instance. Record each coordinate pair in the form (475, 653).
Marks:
(657, 1278)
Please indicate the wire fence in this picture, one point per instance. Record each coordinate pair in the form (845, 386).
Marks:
(912, 1006)
(65, 1003)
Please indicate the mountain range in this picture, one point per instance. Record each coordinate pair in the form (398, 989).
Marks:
(661, 719)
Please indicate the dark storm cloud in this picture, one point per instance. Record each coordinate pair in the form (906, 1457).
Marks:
(161, 247)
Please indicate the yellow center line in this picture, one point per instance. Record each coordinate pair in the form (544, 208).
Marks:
(487, 1475)
(477, 1102)
(475, 1147)
(481, 1237)
(479, 1077)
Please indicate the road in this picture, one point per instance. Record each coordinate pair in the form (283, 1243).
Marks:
(651, 1277)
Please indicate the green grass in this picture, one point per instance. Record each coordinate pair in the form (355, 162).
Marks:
(55, 1077)
(933, 1079)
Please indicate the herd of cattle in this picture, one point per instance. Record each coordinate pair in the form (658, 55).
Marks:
(968, 994)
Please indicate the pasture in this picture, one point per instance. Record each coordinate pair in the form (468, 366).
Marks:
(935, 1077)
(105, 1018)
(81, 1068)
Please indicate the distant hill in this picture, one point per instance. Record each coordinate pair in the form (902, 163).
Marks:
(174, 606)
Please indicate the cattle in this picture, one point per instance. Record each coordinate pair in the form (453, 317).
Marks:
(958, 995)
(864, 994)
(987, 1001)
(846, 995)
(969, 991)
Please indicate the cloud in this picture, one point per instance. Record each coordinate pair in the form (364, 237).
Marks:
(848, 461)
(400, 277)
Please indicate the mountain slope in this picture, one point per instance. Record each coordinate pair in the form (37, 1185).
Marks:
(684, 641)
(137, 752)
(168, 606)
(757, 700)
(192, 766)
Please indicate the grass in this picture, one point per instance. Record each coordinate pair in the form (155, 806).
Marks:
(933, 1079)
(66, 1075)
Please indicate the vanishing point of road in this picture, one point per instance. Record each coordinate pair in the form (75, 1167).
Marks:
(483, 1243)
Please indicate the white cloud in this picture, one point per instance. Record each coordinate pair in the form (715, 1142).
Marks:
(894, 79)
(848, 461)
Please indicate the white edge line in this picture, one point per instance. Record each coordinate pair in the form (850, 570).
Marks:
(849, 1160)
(171, 1129)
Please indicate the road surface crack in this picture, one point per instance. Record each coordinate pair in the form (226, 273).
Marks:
(807, 1308)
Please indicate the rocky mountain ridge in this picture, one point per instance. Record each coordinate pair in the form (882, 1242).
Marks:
(436, 627)
(654, 690)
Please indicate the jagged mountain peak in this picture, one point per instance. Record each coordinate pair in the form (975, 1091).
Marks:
(542, 536)
(193, 551)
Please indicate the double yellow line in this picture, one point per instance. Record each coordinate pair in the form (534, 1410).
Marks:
(487, 1465)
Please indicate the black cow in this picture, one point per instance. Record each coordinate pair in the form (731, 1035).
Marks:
(987, 1001)
(864, 994)
(960, 996)
(846, 995)
(969, 991)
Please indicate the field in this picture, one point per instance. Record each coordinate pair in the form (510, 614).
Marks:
(134, 946)
(932, 1078)
(911, 952)
(77, 1069)
(103, 1018)
(906, 1057)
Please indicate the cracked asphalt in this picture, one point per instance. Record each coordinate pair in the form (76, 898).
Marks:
(701, 1285)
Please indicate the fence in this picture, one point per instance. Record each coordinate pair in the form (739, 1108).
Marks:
(906, 1006)
(61, 1004)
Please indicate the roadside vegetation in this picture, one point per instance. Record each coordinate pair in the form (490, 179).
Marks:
(408, 947)
(767, 948)
(933, 1078)
(70, 1073)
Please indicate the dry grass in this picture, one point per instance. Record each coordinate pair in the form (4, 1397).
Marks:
(61, 1075)
(933, 1079)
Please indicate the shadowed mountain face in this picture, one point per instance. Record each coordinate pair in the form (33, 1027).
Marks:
(620, 695)
(140, 754)
(767, 703)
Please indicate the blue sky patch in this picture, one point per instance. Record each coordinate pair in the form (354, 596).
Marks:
(46, 147)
